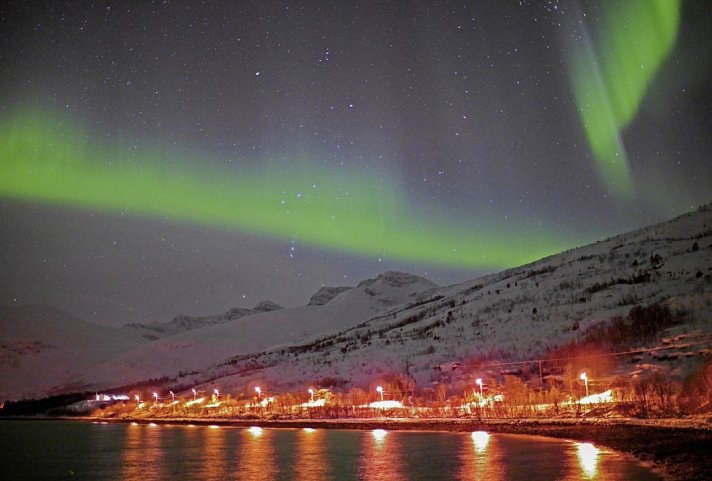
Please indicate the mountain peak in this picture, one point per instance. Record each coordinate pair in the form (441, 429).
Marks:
(326, 294)
(267, 306)
(396, 279)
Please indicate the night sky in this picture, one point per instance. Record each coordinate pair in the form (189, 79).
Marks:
(159, 158)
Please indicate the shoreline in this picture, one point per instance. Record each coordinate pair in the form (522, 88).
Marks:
(676, 449)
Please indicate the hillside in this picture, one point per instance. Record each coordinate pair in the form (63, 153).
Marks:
(395, 323)
(518, 314)
(41, 347)
(198, 349)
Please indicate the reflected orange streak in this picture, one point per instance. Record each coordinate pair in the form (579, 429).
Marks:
(587, 455)
(310, 464)
(142, 454)
(214, 453)
(588, 463)
(255, 456)
(480, 458)
(380, 459)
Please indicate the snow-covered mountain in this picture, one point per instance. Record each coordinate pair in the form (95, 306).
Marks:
(391, 324)
(517, 314)
(198, 349)
(326, 294)
(41, 347)
(184, 323)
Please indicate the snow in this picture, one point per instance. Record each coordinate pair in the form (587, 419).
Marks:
(200, 348)
(394, 323)
(516, 314)
(41, 347)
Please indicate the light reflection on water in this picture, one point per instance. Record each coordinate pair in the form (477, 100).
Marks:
(144, 452)
(215, 464)
(592, 463)
(587, 455)
(311, 464)
(380, 458)
(255, 455)
(479, 458)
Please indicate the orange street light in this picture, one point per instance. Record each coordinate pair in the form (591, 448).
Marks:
(584, 378)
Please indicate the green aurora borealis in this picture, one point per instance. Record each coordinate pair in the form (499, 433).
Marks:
(612, 71)
(345, 209)
(348, 211)
(159, 158)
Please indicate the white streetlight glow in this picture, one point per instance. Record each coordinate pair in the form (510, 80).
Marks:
(217, 393)
(173, 396)
(155, 396)
(380, 391)
(259, 392)
(311, 392)
(584, 378)
(478, 381)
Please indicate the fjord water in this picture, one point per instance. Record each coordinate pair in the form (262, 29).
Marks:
(35, 450)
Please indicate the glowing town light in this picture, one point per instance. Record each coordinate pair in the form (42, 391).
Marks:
(138, 399)
(480, 439)
(311, 392)
(173, 396)
(379, 434)
(258, 391)
(584, 378)
(217, 393)
(380, 391)
(155, 396)
(195, 394)
(478, 381)
(309, 430)
(255, 431)
(214, 426)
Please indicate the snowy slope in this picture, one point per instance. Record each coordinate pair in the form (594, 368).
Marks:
(198, 349)
(398, 322)
(41, 347)
(513, 315)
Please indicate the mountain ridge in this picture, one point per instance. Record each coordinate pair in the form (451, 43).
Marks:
(399, 322)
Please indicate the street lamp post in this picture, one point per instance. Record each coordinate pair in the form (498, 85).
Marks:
(380, 391)
(173, 396)
(311, 393)
(195, 394)
(584, 378)
(155, 396)
(478, 381)
(259, 392)
(217, 394)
